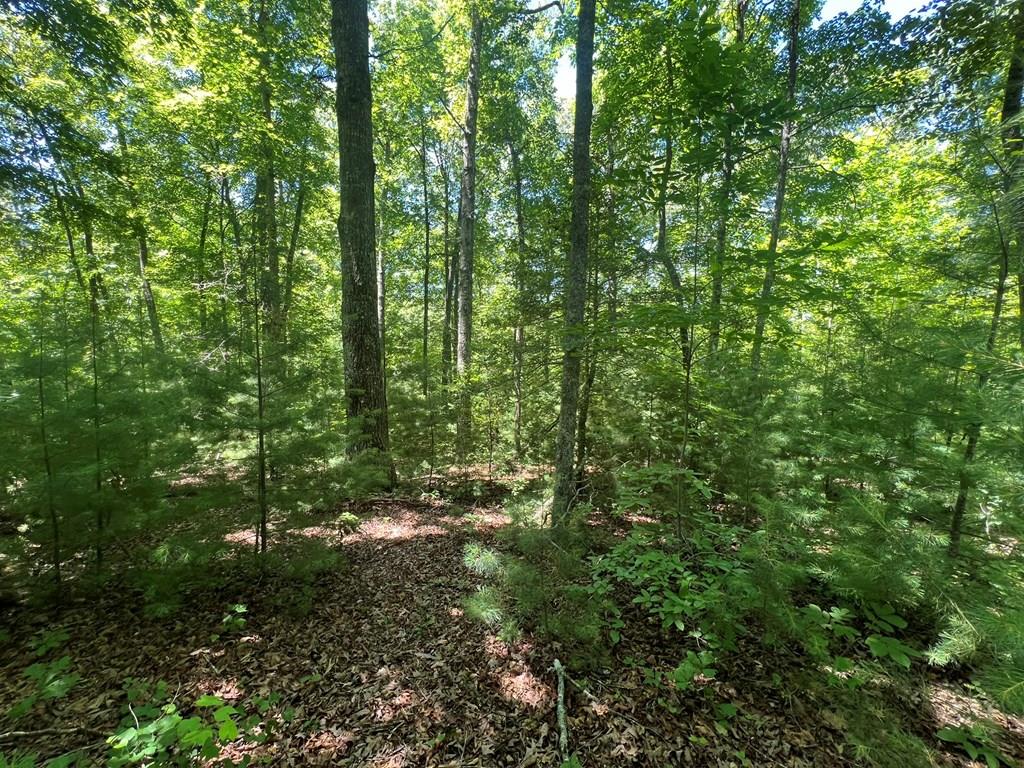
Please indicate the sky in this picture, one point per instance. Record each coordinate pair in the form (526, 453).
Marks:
(565, 72)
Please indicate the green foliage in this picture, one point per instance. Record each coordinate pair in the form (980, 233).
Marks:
(154, 731)
(481, 560)
(975, 741)
(484, 605)
(52, 679)
(889, 647)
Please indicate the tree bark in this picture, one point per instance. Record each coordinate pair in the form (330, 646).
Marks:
(364, 367)
(576, 276)
(785, 142)
(467, 220)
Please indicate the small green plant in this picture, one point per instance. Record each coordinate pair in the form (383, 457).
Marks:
(50, 640)
(481, 560)
(883, 647)
(484, 605)
(50, 679)
(154, 731)
(233, 621)
(693, 666)
(975, 742)
(17, 760)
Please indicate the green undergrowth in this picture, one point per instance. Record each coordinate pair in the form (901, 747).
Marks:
(854, 628)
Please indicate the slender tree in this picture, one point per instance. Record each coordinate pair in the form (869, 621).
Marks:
(785, 143)
(467, 222)
(1009, 237)
(576, 274)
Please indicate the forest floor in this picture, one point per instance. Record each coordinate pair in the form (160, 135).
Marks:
(386, 669)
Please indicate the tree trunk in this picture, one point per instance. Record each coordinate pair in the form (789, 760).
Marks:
(449, 278)
(519, 332)
(201, 282)
(289, 259)
(426, 259)
(661, 247)
(364, 366)
(51, 507)
(266, 185)
(141, 235)
(589, 378)
(467, 220)
(720, 252)
(576, 276)
(788, 129)
(1012, 145)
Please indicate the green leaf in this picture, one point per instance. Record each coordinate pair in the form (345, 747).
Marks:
(228, 731)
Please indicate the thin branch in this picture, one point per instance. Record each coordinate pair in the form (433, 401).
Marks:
(408, 49)
(541, 9)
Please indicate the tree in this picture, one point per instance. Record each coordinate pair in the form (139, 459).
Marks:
(576, 273)
(364, 366)
(467, 236)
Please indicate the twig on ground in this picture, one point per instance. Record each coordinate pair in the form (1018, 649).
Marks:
(563, 732)
(11, 735)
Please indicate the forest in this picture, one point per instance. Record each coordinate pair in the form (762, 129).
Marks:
(581, 384)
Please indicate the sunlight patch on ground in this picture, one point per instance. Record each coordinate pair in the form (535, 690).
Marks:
(389, 707)
(318, 532)
(495, 647)
(329, 744)
(228, 689)
(525, 688)
(402, 527)
(392, 758)
(953, 707)
(245, 536)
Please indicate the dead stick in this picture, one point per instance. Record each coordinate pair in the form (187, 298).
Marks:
(563, 733)
(8, 735)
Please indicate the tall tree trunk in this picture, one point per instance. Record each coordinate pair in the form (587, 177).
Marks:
(720, 252)
(661, 246)
(51, 506)
(201, 281)
(426, 258)
(262, 505)
(1012, 146)
(467, 221)
(449, 277)
(589, 378)
(289, 259)
(95, 340)
(519, 332)
(364, 364)
(142, 236)
(576, 276)
(266, 184)
(785, 141)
